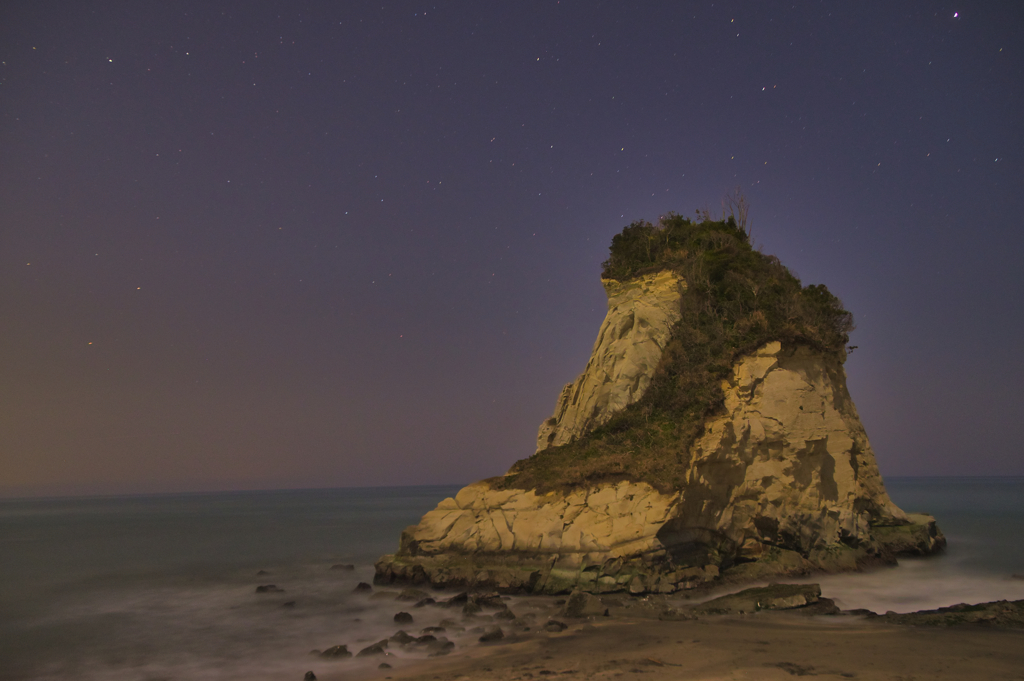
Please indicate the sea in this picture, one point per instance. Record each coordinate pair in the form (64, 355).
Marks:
(163, 587)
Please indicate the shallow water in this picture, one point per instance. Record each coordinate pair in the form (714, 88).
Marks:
(163, 587)
(983, 520)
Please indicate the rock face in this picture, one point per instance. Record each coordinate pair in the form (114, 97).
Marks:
(788, 464)
(641, 314)
(782, 481)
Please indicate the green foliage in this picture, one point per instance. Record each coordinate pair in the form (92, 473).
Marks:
(737, 299)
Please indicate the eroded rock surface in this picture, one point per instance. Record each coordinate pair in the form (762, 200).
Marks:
(641, 314)
(603, 538)
(788, 464)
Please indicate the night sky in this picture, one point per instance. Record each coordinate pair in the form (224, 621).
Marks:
(318, 244)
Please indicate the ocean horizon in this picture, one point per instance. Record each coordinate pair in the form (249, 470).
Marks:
(163, 586)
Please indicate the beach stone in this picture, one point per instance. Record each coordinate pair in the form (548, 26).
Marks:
(336, 653)
(403, 618)
(458, 599)
(310, 676)
(441, 646)
(451, 625)
(269, 589)
(362, 587)
(378, 648)
(402, 638)
(583, 604)
(425, 602)
(412, 595)
(492, 634)
(383, 665)
(425, 639)
(555, 626)
(489, 600)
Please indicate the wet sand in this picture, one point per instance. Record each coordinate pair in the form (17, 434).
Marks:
(766, 646)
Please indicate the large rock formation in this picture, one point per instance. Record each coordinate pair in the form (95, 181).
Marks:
(781, 480)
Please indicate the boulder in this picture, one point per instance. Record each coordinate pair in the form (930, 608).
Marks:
(269, 589)
(336, 653)
(771, 597)
(403, 618)
(492, 634)
(583, 604)
(378, 648)
(555, 626)
(402, 638)
(412, 595)
(921, 537)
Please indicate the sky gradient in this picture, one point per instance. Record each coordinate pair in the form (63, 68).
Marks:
(317, 244)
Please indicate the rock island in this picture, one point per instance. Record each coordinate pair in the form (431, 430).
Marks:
(710, 439)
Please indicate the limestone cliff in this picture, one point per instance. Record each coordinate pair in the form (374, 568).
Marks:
(641, 314)
(779, 479)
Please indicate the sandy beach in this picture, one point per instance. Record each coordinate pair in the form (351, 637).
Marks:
(765, 646)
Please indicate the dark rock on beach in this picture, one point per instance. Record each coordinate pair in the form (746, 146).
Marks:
(378, 648)
(424, 602)
(401, 638)
(555, 626)
(583, 604)
(363, 586)
(492, 634)
(489, 600)
(403, 618)
(441, 646)
(310, 676)
(412, 595)
(269, 589)
(1008, 614)
(451, 625)
(772, 597)
(456, 600)
(336, 653)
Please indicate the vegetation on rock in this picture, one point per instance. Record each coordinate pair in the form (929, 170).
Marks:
(737, 300)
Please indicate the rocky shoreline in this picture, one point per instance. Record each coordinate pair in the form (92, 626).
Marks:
(435, 624)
